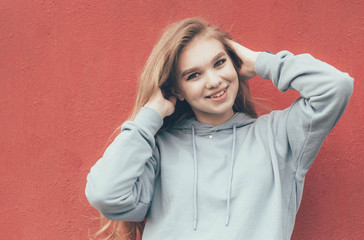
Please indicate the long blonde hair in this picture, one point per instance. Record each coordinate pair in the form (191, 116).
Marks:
(160, 72)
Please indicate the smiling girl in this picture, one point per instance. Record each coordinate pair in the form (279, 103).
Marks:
(195, 161)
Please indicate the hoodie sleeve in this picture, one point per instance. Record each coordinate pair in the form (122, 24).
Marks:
(325, 91)
(120, 185)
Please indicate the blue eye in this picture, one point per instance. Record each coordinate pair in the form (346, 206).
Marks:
(220, 62)
(193, 75)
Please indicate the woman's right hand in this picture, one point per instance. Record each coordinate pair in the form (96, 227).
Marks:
(164, 107)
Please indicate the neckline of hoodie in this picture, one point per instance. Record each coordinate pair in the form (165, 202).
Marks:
(202, 129)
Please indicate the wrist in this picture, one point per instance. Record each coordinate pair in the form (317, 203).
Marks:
(156, 108)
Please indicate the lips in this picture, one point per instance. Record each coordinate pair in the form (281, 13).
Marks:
(218, 93)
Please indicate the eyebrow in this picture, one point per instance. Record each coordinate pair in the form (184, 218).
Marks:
(193, 69)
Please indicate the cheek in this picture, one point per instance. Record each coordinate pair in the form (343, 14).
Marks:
(191, 90)
(232, 76)
(230, 72)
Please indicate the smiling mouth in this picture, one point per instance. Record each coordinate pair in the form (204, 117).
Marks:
(219, 94)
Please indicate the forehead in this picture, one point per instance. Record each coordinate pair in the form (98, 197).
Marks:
(199, 51)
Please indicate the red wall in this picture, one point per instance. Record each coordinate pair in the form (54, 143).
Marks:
(68, 73)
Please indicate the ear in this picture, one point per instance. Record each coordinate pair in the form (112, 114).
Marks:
(178, 94)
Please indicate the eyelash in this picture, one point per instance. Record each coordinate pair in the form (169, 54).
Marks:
(193, 75)
(217, 64)
(220, 62)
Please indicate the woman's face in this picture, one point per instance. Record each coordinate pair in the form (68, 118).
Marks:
(207, 80)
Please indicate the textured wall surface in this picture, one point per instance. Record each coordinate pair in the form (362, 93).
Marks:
(68, 73)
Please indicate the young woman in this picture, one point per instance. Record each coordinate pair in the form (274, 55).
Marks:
(195, 161)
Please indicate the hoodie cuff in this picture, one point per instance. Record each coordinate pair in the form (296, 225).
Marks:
(261, 64)
(269, 66)
(149, 119)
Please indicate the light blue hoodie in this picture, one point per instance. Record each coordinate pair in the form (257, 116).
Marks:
(242, 179)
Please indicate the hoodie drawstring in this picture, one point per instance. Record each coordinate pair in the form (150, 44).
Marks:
(230, 177)
(195, 206)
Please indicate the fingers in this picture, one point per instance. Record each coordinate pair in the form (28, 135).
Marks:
(163, 106)
(243, 52)
(248, 57)
(234, 44)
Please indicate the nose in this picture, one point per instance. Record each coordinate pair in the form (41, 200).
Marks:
(213, 80)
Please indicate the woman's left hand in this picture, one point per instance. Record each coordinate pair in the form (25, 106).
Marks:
(248, 57)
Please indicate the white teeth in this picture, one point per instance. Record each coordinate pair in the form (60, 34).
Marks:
(219, 94)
